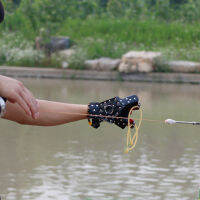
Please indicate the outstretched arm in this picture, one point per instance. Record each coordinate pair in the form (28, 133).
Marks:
(115, 110)
(50, 113)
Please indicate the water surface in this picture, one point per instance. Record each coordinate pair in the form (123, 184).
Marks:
(76, 162)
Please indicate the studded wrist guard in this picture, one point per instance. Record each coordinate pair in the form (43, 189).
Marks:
(114, 111)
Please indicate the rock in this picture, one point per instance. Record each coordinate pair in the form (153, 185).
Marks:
(55, 44)
(184, 66)
(126, 67)
(66, 54)
(138, 61)
(143, 55)
(60, 43)
(103, 64)
(108, 64)
(92, 64)
(145, 67)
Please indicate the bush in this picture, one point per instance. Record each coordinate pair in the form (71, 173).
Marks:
(17, 51)
(76, 61)
(100, 28)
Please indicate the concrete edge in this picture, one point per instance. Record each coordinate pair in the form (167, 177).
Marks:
(27, 72)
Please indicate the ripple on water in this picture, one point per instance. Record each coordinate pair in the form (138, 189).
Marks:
(71, 162)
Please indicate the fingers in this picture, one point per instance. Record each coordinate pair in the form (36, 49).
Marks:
(15, 92)
(31, 102)
(26, 101)
(23, 104)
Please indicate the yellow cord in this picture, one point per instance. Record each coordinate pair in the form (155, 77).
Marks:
(132, 139)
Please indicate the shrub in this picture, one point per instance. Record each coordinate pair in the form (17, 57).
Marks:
(17, 51)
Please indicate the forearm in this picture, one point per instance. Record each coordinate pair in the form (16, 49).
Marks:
(51, 113)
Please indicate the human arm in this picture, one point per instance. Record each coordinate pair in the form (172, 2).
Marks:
(115, 110)
(51, 113)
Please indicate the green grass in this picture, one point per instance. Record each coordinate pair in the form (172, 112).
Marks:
(109, 37)
(114, 37)
(149, 33)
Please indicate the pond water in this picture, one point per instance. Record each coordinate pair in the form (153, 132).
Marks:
(76, 162)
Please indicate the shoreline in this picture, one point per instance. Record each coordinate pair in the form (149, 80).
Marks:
(30, 72)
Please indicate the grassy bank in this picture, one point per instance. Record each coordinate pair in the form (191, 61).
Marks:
(113, 37)
(105, 37)
(100, 28)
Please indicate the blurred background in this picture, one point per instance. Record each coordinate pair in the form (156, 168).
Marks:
(98, 28)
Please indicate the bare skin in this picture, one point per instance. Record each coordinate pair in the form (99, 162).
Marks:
(23, 108)
(51, 113)
(16, 92)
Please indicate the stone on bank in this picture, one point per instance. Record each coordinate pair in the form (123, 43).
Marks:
(138, 61)
(102, 64)
(184, 66)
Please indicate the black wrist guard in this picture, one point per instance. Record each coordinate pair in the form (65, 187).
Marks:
(114, 111)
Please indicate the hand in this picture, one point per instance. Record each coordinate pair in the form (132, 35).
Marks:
(15, 92)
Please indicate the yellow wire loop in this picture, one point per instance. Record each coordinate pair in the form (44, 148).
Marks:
(133, 138)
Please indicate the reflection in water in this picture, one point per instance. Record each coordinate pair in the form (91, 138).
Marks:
(75, 162)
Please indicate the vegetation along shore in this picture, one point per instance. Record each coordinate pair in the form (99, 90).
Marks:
(99, 28)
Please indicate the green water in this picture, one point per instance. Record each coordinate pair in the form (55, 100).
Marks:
(75, 162)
